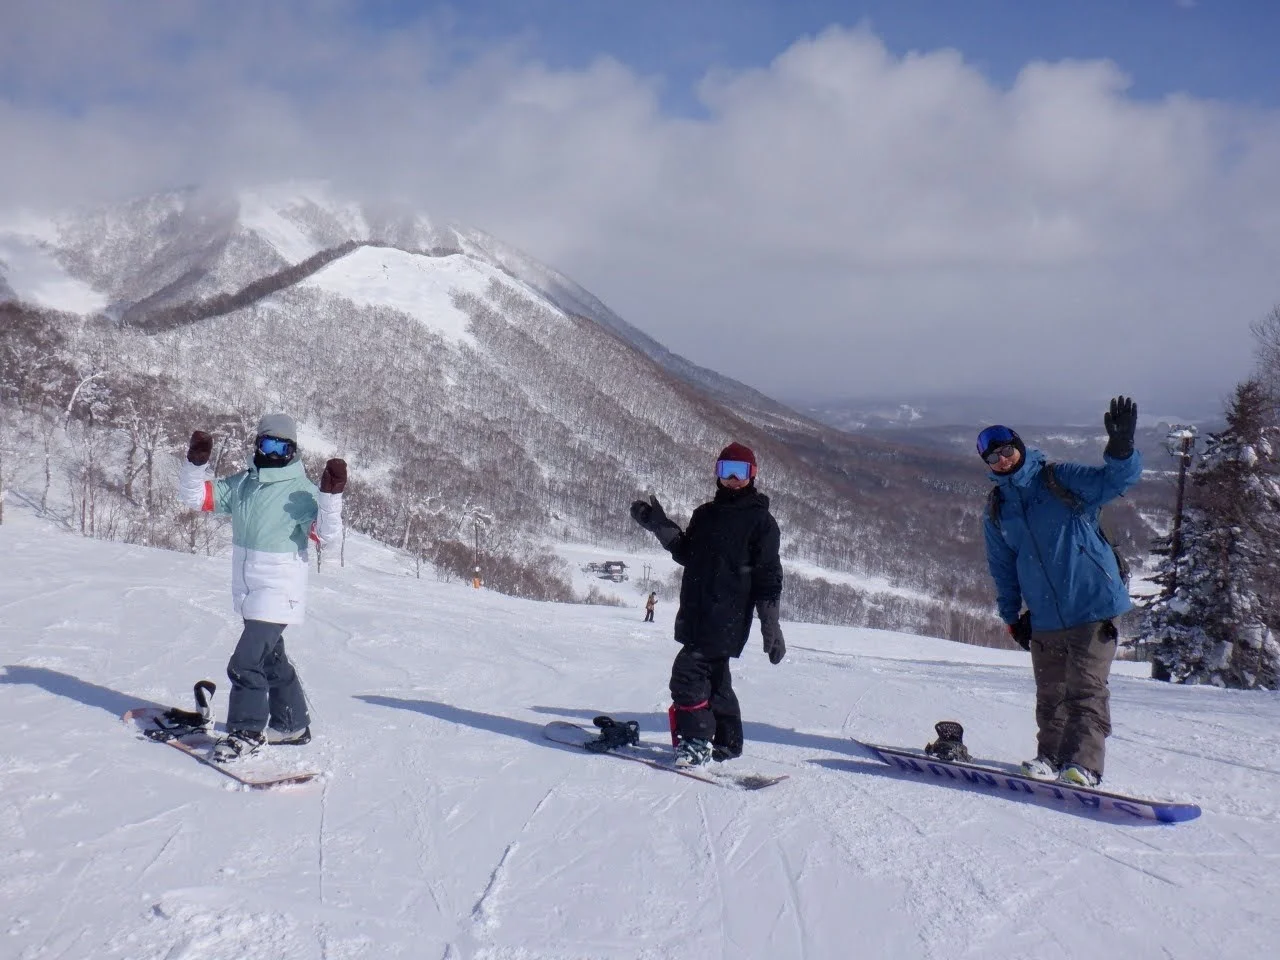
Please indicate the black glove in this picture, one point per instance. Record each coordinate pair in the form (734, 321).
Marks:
(648, 513)
(1121, 422)
(334, 478)
(1020, 630)
(771, 630)
(200, 448)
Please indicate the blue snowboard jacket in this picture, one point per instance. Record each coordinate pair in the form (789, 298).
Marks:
(1050, 556)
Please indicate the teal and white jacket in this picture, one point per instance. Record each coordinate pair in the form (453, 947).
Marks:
(274, 513)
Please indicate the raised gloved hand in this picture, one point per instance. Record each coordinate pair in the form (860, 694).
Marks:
(1020, 630)
(334, 478)
(1121, 422)
(648, 513)
(200, 448)
(771, 630)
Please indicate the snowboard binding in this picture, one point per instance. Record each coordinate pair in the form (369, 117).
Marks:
(175, 723)
(614, 734)
(950, 743)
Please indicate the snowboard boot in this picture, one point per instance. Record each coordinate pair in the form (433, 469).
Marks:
(237, 744)
(693, 752)
(1041, 768)
(290, 738)
(614, 734)
(721, 752)
(950, 743)
(1078, 776)
(727, 743)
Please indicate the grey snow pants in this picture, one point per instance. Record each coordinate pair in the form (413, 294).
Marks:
(1073, 702)
(264, 685)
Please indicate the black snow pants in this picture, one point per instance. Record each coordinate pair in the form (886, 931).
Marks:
(703, 704)
(264, 685)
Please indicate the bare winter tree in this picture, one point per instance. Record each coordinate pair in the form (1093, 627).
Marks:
(1266, 334)
(32, 372)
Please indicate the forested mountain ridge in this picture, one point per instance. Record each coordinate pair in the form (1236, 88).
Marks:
(460, 378)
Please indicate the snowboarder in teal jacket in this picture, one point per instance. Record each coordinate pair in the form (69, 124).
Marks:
(275, 512)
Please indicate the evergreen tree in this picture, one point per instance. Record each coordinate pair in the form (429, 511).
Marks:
(1217, 619)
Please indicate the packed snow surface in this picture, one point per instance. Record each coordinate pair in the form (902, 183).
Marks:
(447, 827)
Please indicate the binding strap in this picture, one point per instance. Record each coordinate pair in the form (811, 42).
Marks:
(680, 708)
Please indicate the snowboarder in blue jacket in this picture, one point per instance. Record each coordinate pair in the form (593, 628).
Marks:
(1045, 549)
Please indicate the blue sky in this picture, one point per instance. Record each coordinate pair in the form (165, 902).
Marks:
(896, 184)
(1220, 49)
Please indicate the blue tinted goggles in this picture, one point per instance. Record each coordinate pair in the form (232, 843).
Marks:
(997, 436)
(733, 470)
(275, 447)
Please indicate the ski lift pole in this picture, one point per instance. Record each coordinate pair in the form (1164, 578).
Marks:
(1180, 442)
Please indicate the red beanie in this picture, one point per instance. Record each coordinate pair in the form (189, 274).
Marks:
(737, 451)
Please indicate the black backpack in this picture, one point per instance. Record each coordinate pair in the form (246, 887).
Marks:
(995, 498)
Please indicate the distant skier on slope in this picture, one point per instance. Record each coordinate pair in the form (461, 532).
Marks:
(731, 566)
(1045, 547)
(274, 510)
(648, 607)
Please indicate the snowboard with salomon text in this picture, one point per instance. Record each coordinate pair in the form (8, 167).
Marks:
(1006, 781)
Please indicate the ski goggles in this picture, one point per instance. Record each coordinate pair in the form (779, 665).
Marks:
(275, 447)
(733, 470)
(993, 437)
(1000, 453)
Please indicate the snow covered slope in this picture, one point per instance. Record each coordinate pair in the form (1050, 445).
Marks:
(448, 828)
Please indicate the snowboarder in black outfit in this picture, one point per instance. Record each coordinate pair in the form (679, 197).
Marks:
(731, 567)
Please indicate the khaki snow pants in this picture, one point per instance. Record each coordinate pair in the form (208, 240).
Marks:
(1073, 702)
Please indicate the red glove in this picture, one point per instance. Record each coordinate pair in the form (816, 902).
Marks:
(200, 448)
(334, 478)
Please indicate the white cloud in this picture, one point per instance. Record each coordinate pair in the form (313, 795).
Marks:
(840, 220)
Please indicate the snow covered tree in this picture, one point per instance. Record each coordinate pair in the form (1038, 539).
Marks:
(1217, 619)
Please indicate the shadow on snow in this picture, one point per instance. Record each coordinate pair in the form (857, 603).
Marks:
(73, 688)
(489, 722)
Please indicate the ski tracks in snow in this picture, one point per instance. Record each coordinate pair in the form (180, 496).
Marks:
(717, 876)
(485, 917)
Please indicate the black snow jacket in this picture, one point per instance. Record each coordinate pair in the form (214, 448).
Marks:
(730, 557)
